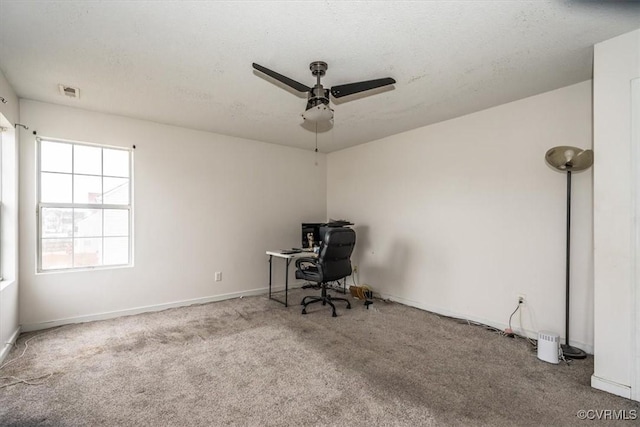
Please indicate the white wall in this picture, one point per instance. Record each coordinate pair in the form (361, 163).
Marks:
(9, 326)
(462, 216)
(616, 64)
(203, 203)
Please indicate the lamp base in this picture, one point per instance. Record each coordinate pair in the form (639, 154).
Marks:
(572, 352)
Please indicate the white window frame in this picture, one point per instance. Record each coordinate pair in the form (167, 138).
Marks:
(41, 205)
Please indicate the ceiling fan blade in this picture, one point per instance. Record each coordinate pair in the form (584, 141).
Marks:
(351, 88)
(286, 80)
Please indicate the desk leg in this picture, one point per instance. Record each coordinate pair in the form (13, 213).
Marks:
(286, 283)
(270, 264)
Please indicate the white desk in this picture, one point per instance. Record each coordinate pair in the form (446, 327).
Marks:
(287, 258)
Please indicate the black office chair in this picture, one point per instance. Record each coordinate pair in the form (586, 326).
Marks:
(333, 263)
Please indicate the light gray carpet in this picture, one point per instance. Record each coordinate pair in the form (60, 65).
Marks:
(253, 362)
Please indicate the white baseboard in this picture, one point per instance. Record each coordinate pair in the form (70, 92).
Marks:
(611, 387)
(150, 308)
(502, 326)
(6, 348)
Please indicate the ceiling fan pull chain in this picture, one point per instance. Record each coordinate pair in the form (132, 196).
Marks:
(315, 160)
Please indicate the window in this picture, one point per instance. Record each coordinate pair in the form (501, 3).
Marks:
(84, 205)
(8, 203)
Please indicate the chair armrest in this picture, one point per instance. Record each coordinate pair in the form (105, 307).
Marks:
(307, 260)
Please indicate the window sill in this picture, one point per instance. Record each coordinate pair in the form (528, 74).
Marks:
(83, 269)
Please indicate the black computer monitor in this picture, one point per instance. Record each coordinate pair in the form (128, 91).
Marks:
(311, 234)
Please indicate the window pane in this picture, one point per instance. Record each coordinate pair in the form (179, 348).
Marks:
(87, 223)
(57, 253)
(116, 162)
(55, 188)
(116, 222)
(55, 157)
(87, 189)
(116, 191)
(116, 250)
(87, 160)
(87, 252)
(57, 222)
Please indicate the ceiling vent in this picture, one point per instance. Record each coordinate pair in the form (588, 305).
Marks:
(71, 92)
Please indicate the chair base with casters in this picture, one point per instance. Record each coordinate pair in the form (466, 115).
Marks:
(325, 298)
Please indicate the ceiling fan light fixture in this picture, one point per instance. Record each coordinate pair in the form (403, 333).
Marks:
(319, 113)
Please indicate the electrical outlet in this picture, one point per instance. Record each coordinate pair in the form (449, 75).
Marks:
(355, 268)
(218, 276)
(522, 298)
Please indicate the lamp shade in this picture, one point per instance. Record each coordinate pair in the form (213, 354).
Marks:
(566, 158)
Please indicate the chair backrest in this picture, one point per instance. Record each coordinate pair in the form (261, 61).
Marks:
(334, 258)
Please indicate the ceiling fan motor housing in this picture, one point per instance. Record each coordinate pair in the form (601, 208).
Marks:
(318, 95)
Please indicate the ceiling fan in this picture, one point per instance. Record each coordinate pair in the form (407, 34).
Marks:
(317, 109)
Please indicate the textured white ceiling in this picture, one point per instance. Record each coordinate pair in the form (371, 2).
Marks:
(188, 63)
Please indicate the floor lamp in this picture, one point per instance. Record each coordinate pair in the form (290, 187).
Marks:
(569, 159)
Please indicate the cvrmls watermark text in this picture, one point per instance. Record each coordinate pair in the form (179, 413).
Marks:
(607, 414)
